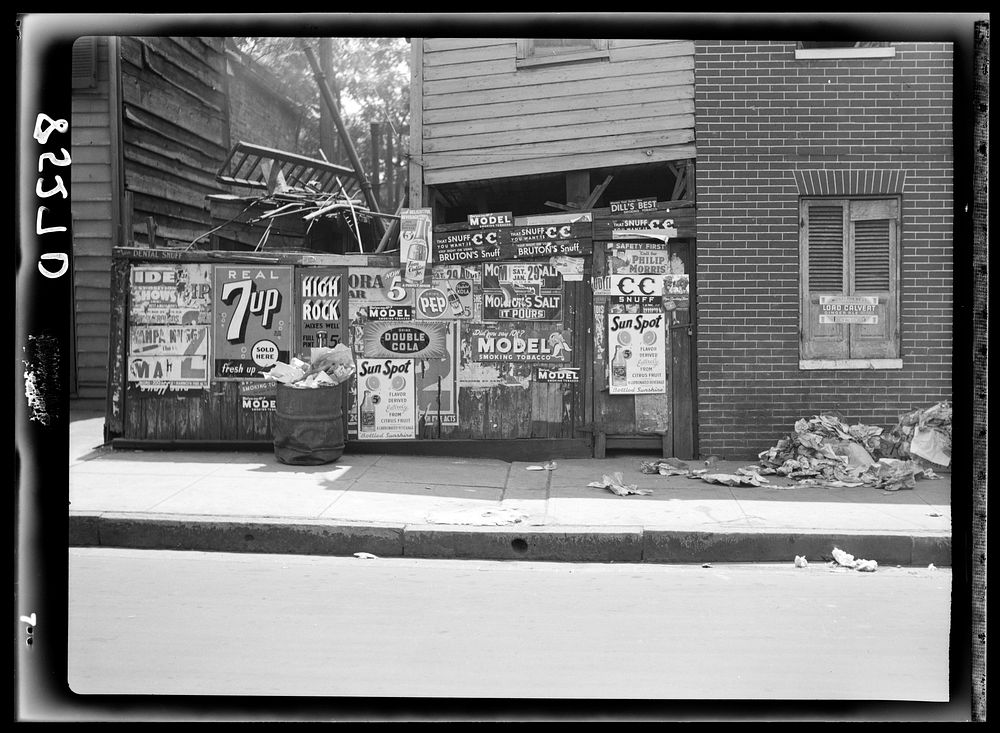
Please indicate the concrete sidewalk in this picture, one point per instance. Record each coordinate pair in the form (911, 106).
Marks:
(436, 507)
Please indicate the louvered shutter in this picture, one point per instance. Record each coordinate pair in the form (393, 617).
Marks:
(85, 63)
(823, 273)
(874, 259)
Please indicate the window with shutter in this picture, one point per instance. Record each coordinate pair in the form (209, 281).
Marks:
(849, 281)
(85, 63)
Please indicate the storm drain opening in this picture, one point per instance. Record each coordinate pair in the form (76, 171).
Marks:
(519, 545)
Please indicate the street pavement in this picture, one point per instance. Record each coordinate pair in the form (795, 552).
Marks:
(469, 508)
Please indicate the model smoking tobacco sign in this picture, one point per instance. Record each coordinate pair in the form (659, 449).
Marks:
(253, 314)
(532, 342)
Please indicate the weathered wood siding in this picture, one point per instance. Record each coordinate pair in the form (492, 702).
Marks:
(481, 117)
(93, 226)
(176, 131)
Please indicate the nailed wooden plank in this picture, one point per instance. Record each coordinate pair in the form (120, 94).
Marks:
(492, 67)
(471, 54)
(579, 161)
(579, 132)
(566, 148)
(433, 45)
(170, 105)
(528, 118)
(555, 76)
(485, 111)
(635, 52)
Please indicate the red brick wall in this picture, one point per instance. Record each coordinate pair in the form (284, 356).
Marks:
(760, 115)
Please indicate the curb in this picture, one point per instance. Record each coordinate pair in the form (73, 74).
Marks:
(551, 543)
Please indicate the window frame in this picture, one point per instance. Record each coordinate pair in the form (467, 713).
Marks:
(856, 342)
(526, 59)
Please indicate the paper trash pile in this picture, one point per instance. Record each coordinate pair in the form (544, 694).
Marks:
(326, 368)
(922, 434)
(826, 452)
(746, 476)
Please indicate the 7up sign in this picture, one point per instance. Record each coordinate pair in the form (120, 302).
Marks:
(253, 313)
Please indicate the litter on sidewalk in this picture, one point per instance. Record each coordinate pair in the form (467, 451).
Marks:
(615, 483)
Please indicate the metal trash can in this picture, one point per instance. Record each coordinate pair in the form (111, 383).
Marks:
(308, 425)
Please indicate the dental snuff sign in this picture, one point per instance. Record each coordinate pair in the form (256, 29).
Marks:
(253, 317)
(861, 309)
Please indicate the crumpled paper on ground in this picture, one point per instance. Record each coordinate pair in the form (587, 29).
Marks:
(328, 368)
(615, 483)
(923, 433)
(826, 452)
(846, 560)
(746, 476)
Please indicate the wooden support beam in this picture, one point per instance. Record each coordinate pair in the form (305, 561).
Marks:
(597, 193)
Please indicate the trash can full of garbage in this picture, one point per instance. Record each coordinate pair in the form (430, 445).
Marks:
(308, 425)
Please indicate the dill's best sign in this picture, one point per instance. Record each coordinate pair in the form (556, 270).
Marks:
(253, 315)
(320, 293)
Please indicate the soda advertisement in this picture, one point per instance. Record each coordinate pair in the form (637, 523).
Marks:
(414, 244)
(412, 340)
(637, 347)
(526, 342)
(170, 294)
(522, 291)
(253, 317)
(437, 382)
(445, 298)
(321, 305)
(386, 408)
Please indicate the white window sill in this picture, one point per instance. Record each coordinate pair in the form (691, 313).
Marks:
(850, 364)
(847, 52)
(563, 58)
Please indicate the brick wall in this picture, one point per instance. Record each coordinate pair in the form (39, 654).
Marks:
(760, 116)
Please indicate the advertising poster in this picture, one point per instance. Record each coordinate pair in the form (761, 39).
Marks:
(447, 297)
(168, 357)
(258, 396)
(167, 294)
(465, 246)
(637, 347)
(639, 293)
(414, 244)
(563, 375)
(253, 317)
(862, 309)
(437, 382)
(522, 291)
(321, 304)
(631, 258)
(492, 219)
(413, 340)
(529, 342)
(386, 408)
(629, 206)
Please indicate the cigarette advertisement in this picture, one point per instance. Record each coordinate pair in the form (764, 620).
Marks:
(414, 244)
(637, 345)
(170, 294)
(321, 304)
(522, 291)
(386, 408)
(632, 258)
(253, 317)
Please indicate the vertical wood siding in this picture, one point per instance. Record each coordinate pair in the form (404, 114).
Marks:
(483, 118)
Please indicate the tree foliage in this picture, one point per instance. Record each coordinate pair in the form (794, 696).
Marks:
(370, 79)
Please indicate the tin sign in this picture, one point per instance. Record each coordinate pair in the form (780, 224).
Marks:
(321, 306)
(253, 315)
(628, 206)
(861, 309)
(564, 375)
(414, 340)
(414, 243)
(386, 407)
(628, 285)
(631, 258)
(496, 219)
(478, 245)
(522, 291)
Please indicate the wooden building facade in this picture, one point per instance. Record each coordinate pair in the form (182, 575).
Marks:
(153, 118)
